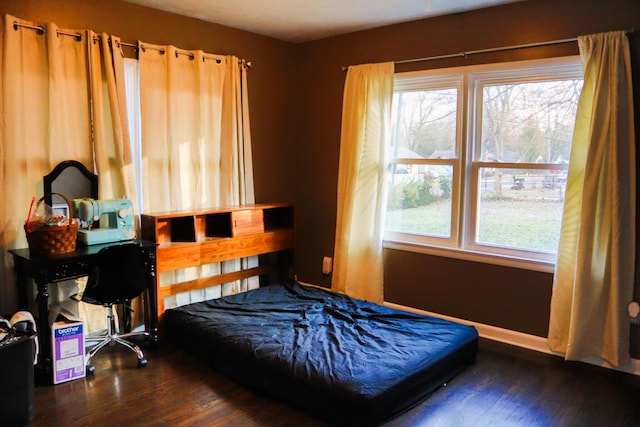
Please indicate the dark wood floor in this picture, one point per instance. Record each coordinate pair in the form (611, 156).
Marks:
(507, 386)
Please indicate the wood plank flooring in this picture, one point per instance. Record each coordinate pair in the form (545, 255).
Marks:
(507, 386)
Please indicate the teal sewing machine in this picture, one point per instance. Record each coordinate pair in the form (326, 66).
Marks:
(115, 219)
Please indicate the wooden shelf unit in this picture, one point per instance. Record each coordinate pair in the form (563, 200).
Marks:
(193, 238)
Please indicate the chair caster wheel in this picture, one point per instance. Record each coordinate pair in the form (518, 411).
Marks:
(90, 369)
(142, 363)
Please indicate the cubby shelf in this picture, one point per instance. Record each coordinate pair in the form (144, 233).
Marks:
(193, 238)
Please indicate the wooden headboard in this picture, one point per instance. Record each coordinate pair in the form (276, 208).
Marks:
(192, 238)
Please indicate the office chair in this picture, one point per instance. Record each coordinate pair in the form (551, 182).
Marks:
(120, 274)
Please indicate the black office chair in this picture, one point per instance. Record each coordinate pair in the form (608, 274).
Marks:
(120, 274)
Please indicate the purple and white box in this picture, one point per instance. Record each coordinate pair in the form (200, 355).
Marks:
(68, 351)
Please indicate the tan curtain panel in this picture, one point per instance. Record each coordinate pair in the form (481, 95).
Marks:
(181, 109)
(194, 144)
(594, 276)
(45, 119)
(366, 122)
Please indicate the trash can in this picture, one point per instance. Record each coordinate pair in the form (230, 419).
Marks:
(17, 397)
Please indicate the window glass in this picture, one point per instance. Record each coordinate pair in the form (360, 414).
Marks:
(479, 157)
(425, 125)
(424, 138)
(419, 199)
(520, 208)
(529, 122)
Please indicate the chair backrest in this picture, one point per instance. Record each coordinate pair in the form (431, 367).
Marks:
(119, 274)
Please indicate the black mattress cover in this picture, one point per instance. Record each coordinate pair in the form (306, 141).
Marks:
(345, 360)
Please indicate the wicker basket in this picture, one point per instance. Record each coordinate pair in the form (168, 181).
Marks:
(55, 239)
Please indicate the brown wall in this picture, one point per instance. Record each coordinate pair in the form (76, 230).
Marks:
(519, 299)
(504, 297)
(271, 96)
(295, 104)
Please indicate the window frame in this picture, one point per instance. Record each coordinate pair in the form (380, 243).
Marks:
(455, 81)
(468, 161)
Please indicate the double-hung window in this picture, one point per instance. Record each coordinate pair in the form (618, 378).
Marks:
(478, 160)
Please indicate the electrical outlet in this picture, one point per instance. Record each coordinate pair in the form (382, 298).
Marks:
(634, 312)
(327, 265)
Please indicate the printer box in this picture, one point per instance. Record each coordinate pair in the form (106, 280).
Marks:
(68, 351)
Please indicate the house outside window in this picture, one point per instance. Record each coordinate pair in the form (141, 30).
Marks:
(478, 160)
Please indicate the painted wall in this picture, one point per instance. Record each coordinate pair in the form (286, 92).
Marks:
(295, 105)
(500, 296)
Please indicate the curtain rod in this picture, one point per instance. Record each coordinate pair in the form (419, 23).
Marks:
(489, 50)
(78, 37)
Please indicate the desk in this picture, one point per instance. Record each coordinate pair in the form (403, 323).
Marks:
(47, 269)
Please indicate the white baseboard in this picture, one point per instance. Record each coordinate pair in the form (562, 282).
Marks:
(519, 339)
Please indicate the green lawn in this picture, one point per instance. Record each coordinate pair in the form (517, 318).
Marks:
(524, 224)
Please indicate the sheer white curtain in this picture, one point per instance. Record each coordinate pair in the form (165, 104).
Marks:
(366, 121)
(194, 141)
(113, 151)
(594, 276)
(45, 119)
(113, 157)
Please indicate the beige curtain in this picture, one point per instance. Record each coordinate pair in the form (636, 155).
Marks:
(366, 119)
(594, 276)
(193, 142)
(45, 119)
(236, 129)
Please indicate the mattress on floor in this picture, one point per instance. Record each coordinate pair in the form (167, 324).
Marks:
(344, 360)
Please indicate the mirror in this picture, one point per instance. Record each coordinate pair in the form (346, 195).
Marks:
(72, 179)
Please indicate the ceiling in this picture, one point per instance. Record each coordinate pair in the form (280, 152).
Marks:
(300, 21)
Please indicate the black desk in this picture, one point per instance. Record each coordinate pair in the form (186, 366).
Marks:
(56, 268)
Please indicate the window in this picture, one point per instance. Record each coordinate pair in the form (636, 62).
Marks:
(132, 92)
(479, 159)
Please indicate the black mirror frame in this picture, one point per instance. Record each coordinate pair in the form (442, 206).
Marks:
(48, 179)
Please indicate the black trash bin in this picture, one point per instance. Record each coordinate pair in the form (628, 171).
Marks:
(17, 397)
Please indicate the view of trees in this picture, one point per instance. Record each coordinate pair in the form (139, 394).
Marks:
(425, 122)
(529, 122)
(524, 122)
